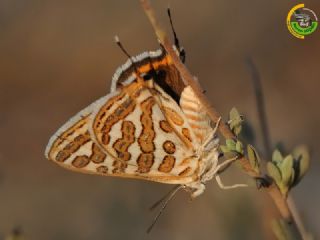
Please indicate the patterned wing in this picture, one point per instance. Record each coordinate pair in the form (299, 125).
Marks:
(126, 134)
(146, 63)
(196, 115)
(135, 129)
(72, 146)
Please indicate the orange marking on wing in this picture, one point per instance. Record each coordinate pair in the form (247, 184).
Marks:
(97, 156)
(155, 65)
(186, 134)
(72, 147)
(193, 117)
(121, 145)
(169, 147)
(167, 164)
(186, 161)
(199, 136)
(144, 68)
(197, 127)
(64, 136)
(185, 172)
(186, 108)
(102, 170)
(102, 113)
(165, 126)
(173, 116)
(145, 162)
(119, 166)
(148, 134)
(120, 113)
(80, 161)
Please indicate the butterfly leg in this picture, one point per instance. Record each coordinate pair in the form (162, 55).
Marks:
(214, 170)
(222, 186)
(218, 179)
(197, 189)
(225, 163)
(211, 159)
(212, 140)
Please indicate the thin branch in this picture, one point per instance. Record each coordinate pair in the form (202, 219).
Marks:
(261, 109)
(298, 220)
(188, 79)
(262, 114)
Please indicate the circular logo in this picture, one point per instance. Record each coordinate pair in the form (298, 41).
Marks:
(301, 21)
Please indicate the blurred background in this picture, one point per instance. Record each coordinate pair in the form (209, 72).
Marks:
(56, 57)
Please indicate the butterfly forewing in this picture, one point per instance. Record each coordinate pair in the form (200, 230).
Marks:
(196, 115)
(145, 62)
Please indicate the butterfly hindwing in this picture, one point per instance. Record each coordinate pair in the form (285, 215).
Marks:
(134, 128)
(72, 146)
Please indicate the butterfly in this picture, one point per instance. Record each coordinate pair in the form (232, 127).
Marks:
(150, 126)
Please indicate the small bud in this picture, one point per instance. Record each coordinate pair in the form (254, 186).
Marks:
(231, 144)
(301, 164)
(286, 168)
(274, 172)
(235, 121)
(239, 147)
(277, 156)
(224, 148)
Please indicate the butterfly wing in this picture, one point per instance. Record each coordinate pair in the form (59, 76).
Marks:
(136, 130)
(72, 145)
(126, 134)
(197, 116)
(146, 62)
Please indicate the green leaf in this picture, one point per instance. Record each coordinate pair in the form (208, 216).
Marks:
(286, 170)
(231, 144)
(301, 154)
(239, 147)
(277, 157)
(234, 114)
(224, 148)
(235, 120)
(229, 155)
(254, 158)
(304, 166)
(237, 130)
(274, 172)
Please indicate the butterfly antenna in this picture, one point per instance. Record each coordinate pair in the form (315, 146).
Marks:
(117, 40)
(156, 204)
(176, 40)
(171, 195)
(181, 51)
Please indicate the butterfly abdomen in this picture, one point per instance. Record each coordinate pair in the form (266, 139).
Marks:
(195, 114)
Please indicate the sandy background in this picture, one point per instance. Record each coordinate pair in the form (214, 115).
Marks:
(56, 57)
